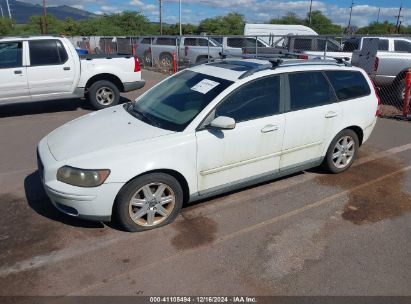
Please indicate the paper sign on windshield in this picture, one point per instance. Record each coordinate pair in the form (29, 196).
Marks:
(204, 86)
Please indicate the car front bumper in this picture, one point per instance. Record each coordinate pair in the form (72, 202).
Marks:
(88, 203)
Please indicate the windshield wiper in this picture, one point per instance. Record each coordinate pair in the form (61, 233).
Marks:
(132, 108)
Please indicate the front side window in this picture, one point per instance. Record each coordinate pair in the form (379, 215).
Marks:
(47, 52)
(256, 99)
(348, 84)
(402, 46)
(175, 102)
(11, 55)
(309, 89)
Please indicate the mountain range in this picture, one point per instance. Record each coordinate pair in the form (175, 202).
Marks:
(22, 11)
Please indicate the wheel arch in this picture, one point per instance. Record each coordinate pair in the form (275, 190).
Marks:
(108, 77)
(177, 175)
(359, 131)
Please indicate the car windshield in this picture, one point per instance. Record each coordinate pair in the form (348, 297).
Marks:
(175, 102)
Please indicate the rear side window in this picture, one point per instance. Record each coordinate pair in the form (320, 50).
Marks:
(166, 41)
(47, 52)
(402, 46)
(256, 99)
(146, 41)
(383, 44)
(348, 84)
(309, 89)
(10, 55)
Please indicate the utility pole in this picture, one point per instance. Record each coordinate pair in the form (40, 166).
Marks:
(8, 8)
(161, 16)
(309, 14)
(181, 32)
(349, 20)
(397, 26)
(378, 16)
(44, 27)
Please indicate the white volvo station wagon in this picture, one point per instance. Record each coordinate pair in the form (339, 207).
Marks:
(209, 129)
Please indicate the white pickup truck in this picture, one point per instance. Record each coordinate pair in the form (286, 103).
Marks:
(48, 67)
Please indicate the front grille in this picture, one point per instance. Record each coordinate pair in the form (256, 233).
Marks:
(40, 166)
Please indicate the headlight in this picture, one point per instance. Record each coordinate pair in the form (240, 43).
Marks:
(82, 177)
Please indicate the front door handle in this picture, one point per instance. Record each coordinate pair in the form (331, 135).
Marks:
(269, 128)
(17, 72)
(66, 68)
(331, 114)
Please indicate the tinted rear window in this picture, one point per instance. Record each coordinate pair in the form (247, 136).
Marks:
(47, 52)
(348, 84)
(166, 41)
(309, 89)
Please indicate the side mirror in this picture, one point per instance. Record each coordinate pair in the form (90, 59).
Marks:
(223, 123)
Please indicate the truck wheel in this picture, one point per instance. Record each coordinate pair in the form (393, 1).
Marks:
(166, 60)
(148, 202)
(103, 94)
(342, 152)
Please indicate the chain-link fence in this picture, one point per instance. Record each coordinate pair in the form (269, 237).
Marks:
(386, 59)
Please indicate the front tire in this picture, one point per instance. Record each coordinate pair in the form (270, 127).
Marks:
(148, 202)
(103, 94)
(342, 152)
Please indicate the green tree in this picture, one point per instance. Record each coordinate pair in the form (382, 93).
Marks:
(322, 25)
(6, 26)
(230, 24)
(377, 28)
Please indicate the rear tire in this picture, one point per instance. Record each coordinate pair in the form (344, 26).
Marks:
(342, 152)
(147, 202)
(103, 94)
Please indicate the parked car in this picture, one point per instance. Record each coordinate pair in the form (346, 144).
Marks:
(48, 67)
(391, 63)
(311, 46)
(184, 139)
(234, 45)
(188, 50)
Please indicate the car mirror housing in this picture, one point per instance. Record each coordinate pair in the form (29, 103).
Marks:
(223, 123)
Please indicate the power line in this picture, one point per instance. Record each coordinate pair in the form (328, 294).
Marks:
(161, 16)
(398, 24)
(349, 20)
(309, 14)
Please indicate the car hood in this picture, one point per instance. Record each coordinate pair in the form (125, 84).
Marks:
(98, 131)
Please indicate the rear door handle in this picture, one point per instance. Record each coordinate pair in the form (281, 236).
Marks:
(66, 68)
(331, 114)
(269, 128)
(17, 72)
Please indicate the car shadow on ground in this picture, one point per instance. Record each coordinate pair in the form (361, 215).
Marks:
(47, 106)
(40, 203)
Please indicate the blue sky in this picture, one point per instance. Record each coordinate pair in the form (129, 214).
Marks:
(258, 11)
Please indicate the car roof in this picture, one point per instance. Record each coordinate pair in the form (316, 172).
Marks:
(237, 69)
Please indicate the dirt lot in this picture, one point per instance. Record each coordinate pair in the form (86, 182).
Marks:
(309, 234)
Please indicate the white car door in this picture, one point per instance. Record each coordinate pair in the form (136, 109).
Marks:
(51, 70)
(252, 149)
(313, 117)
(13, 84)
